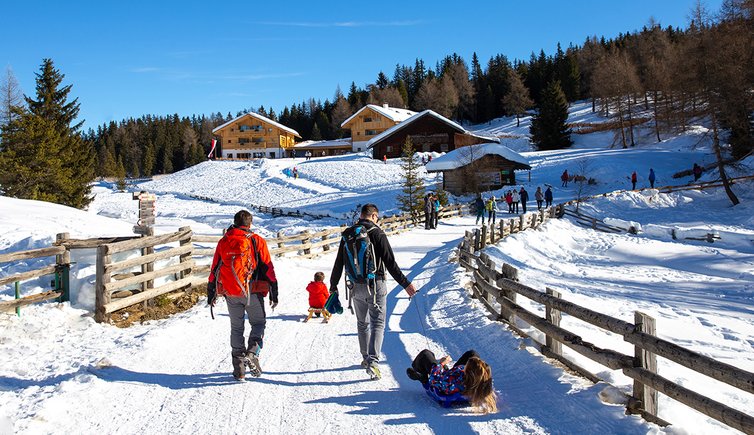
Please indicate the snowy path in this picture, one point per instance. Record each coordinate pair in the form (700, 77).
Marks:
(173, 376)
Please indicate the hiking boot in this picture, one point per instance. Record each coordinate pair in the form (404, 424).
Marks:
(239, 377)
(365, 363)
(373, 370)
(251, 361)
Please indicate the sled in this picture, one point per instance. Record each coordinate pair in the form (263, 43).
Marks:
(443, 400)
(325, 314)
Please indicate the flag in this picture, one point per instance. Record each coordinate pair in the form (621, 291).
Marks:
(214, 143)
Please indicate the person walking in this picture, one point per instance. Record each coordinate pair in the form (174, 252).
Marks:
(564, 178)
(428, 211)
(524, 198)
(370, 299)
(242, 272)
(539, 196)
(384, 159)
(651, 178)
(515, 198)
(509, 201)
(491, 210)
(436, 214)
(480, 207)
(548, 197)
(633, 181)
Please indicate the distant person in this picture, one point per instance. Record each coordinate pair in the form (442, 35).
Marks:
(295, 172)
(470, 376)
(369, 298)
(428, 211)
(436, 214)
(548, 197)
(424, 160)
(491, 209)
(244, 288)
(509, 201)
(480, 209)
(515, 198)
(539, 196)
(697, 172)
(564, 178)
(384, 159)
(524, 198)
(633, 181)
(651, 178)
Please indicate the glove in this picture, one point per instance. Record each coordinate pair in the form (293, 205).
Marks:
(211, 293)
(273, 294)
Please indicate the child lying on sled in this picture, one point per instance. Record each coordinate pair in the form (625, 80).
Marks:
(470, 378)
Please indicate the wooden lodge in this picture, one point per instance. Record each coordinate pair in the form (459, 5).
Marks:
(252, 135)
(429, 132)
(323, 148)
(370, 121)
(478, 168)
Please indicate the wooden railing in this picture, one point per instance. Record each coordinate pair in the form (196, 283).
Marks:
(502, 228)
(60, 269)
(108, 301)
(498, 288)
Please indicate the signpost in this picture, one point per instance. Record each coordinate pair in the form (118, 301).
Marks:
(144, 228)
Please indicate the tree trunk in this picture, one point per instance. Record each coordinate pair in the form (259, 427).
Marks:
(720, 164)
(594, 104)
(518, 121)
(630, 120)
(657, 116)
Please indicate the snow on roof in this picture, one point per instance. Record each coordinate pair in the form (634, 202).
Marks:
(323, 143)
(261, 118)
(392, 113)
(462, 156)
(419, 115)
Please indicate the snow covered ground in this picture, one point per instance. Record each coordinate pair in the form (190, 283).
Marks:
(62, 373)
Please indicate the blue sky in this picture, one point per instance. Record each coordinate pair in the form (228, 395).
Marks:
(126, 59)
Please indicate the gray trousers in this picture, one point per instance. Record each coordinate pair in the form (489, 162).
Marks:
(253, 306)
(370, 318)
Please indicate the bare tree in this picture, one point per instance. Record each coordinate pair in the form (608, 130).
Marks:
(11, 98)
(582, 180)
(615, 82)
(439, 95)
(517, 100)
(388, 95)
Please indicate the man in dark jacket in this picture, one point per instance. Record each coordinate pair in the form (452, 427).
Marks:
(548, 196)
(370, 299)
(524, 198)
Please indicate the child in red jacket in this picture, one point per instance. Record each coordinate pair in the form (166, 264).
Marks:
(318, 295)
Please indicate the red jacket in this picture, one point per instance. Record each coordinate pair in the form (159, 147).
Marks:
(318, 294)
(234, 265)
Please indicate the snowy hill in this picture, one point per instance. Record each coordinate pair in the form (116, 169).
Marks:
(62, 373)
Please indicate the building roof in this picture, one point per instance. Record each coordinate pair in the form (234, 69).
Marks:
(420, 115)
(462, 156)
(261, 118)
(392, 113)
(311, 144)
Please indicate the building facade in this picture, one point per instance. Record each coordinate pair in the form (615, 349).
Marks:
(370, 121)
(254, 136)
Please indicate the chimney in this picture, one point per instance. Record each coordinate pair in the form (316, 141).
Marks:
(385, 105)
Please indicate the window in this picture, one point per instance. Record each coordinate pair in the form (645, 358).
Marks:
(370, 132)
(243, 155)
(228, 140)
(444, 148)
(272, 155)
(358, 133)
(230, 155)
(389, 148)
(251, 128)
(367, 119)
(243, 140)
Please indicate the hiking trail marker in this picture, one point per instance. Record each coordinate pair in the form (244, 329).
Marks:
(146, 212)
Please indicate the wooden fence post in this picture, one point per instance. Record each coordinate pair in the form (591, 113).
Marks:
(477, 243)
(521, 222)
(187, 256)
(63, 268)
(492, 233)
(305, 242)
(553, 316)
(102, 297)
(484, 237)
(148, 267)
(647, 360)
(280, 243)
(513, 222)
(508, 272)
(502, 228)
(326, 246)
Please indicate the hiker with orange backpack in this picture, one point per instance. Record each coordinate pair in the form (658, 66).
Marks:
(243, 273)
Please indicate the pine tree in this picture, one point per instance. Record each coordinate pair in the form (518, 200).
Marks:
(548, 127)
(413, 185)
(148, 160)
(120, 176)
(316, 134)
(44, 156)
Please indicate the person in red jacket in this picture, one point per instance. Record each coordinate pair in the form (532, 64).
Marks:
(243, 273)
(318, 292)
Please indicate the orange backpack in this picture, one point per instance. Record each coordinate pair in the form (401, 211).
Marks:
(237, 263)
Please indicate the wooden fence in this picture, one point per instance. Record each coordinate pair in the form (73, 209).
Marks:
(494, 232)
(60, 269)
(498, 288)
